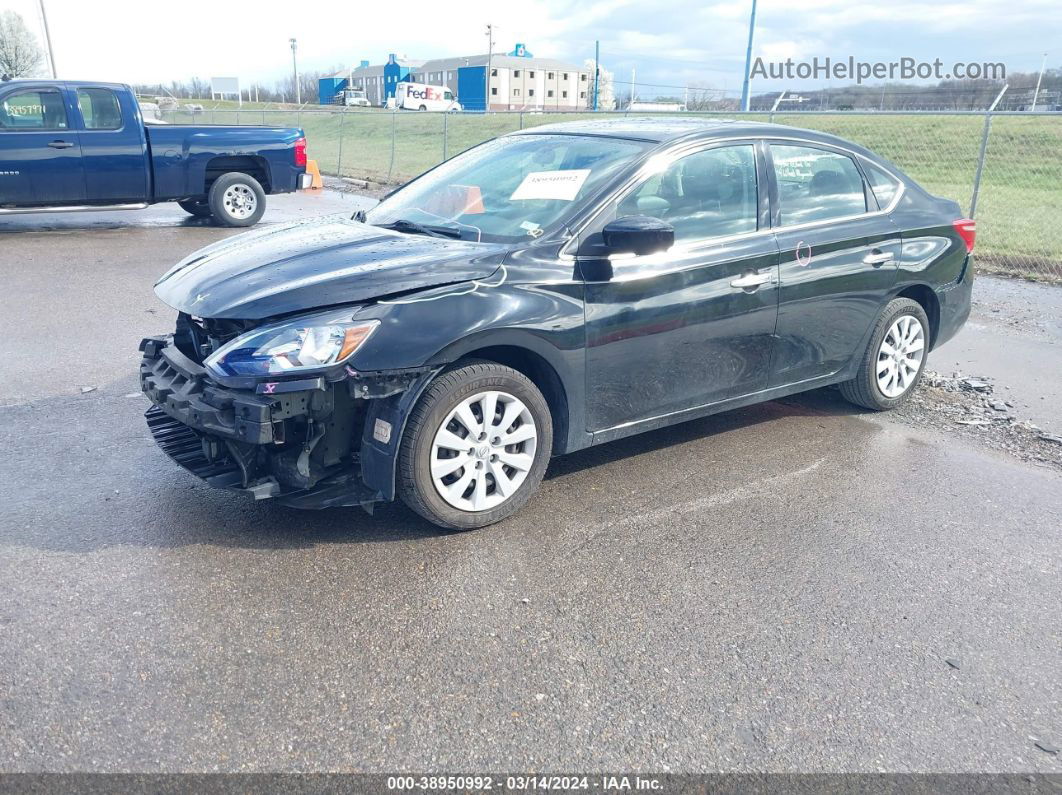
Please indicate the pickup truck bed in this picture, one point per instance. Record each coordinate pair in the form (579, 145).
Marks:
(66, 145)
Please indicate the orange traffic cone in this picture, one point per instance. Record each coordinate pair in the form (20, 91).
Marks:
(315, 172)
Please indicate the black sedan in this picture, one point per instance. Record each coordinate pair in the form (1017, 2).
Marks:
(546, 291)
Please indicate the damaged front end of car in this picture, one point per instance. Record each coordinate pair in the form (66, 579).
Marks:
(314, 437)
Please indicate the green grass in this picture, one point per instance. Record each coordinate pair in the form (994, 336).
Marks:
(1018, 209)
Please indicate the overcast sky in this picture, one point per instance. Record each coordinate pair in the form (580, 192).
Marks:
(670, 42)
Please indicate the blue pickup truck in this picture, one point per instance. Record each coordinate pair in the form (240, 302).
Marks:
(68, 146)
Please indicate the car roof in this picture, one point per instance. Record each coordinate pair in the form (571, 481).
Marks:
(662, 129)
(47, 81)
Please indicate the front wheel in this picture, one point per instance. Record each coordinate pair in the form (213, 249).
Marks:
(894, 359)
(476, 446)
(236, 199)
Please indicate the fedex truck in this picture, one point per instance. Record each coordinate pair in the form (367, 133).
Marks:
(421, 96)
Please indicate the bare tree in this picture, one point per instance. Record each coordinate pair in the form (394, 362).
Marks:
(606, 90)
(20, 55)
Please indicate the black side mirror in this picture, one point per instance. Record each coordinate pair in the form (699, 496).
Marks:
(638, 234)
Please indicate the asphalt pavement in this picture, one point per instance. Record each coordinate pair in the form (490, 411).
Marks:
(796, 586)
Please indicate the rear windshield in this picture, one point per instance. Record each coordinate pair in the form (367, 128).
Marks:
(510, 189)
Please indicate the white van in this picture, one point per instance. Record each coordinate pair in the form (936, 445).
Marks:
(421, 96)
(352, 98)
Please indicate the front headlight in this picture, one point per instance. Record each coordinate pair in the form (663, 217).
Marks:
(291, 348)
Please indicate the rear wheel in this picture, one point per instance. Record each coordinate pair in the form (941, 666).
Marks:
(422, 107)
(894, 360)
(476, 446)
(200, 208)
(236, 199)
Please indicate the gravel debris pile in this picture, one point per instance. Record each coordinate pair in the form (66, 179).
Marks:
(969, 406)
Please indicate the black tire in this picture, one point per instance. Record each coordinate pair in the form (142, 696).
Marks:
(200, 208)
(415, 485)
(863, 390)
(227, 213)
(422, 107)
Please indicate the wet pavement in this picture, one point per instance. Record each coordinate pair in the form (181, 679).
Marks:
(777, 588)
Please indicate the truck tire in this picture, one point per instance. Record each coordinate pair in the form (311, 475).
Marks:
(200, 208)
(236, 199)
(422, 107)
(462, 489)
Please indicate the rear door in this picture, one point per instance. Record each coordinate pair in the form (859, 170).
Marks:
(694, 325)
(113, 146)
(838, 259)
(40, 153)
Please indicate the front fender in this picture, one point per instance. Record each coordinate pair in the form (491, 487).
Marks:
(385, 423)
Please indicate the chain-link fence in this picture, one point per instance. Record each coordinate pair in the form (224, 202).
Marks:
(1005, 169)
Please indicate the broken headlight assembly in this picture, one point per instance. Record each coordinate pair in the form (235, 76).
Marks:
(293, 347)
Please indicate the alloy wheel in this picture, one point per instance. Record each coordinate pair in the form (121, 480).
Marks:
(483, 451)
(900, 356)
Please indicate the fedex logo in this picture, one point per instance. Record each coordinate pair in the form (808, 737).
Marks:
(427, 93)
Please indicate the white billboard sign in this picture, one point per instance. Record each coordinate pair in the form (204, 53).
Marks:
(222, 86)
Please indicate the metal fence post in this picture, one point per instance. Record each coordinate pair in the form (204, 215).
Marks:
(445, 116)
(263, 117)
(339, 165)
(394, 132)
(984, 149)
(980, 163)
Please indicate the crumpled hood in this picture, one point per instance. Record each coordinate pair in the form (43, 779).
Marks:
(306, 265)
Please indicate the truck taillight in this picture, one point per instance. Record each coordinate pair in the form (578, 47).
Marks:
(967, 229)
(300, 152)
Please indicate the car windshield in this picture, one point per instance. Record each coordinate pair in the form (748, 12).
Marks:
(507, 190)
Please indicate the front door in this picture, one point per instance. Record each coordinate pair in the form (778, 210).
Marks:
(694, 325)
(40, 156)
(838, 260)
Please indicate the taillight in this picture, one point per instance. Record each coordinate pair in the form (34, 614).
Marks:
(300, 153)
(967, 229)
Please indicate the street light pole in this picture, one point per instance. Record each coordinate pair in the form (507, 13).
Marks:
(48, 40)
(295, 70)
(748, 60)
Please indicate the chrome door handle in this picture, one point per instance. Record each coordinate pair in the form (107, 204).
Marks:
(751, 281)
(878, 258)
(60, 144)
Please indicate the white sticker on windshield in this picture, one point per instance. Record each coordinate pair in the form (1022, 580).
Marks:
(563, 185)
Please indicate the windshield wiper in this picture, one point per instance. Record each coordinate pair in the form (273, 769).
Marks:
(412, 227)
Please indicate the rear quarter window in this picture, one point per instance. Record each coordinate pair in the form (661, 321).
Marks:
(99, 108)
(884, 185)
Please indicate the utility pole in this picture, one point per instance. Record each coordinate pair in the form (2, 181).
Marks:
(748, 60)
(490, 60)
(48, 41)
(1036, 94)
(597, 69)
(295, 70)
(632, 89)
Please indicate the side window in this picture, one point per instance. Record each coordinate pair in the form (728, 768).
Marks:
(707, 194)
(33, 110)
(883, 185)
(99, 109)
(816, 184)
